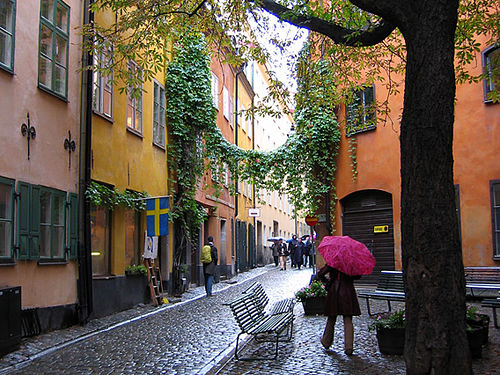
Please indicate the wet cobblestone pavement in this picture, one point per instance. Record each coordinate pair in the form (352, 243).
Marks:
(197, 335)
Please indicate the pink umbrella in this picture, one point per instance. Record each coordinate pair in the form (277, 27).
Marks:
(347, 255)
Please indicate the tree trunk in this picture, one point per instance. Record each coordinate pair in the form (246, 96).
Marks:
(436, 341)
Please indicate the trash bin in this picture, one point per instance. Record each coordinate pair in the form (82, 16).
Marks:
(10, 319)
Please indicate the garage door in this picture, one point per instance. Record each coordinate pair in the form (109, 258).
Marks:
(367, 217)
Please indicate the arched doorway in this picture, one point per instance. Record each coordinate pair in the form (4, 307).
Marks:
(367, 217)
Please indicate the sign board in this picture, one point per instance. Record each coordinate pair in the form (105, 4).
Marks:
(254, 212)
(311, 220)
(322, 218)
(380, 229)
(150, 247)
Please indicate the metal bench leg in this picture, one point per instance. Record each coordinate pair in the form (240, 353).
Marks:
(389, 304)
(368, 307)
(495, 317)
(236, 349)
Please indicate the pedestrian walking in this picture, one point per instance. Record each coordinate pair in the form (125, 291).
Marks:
(209, 264)
(340, 300)
(308, 252)
(292, 246)
(276, 255)
(283, 253)
(299, 253)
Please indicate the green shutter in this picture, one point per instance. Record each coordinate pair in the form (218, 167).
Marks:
(35, 223)
(23, 219)
(73, 225)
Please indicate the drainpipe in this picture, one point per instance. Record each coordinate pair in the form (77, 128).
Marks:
(84, 283)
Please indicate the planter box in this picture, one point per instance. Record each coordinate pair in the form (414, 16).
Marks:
(391, 340)
(314, 306)
(475, 338)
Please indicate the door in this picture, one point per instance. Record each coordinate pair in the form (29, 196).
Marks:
(367, 217)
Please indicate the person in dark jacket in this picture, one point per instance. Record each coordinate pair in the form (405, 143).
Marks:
(341, 300)
(292, 246)
(209, 268)
(283, 253)
(299, 253)
(308, 252)
(276, 255)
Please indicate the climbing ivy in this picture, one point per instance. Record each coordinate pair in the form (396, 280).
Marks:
(109, 197)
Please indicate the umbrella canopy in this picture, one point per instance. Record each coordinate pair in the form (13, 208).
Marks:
(347, 255)
(272, 239)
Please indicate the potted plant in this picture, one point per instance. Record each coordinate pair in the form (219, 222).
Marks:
(390, 328)
(313, 298)
(477, 326)
(135, 270)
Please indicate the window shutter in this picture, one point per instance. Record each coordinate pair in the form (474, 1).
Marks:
(23, 219)
(35, 223)
(73, 225)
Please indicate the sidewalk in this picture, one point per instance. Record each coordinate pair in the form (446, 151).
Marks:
(178, 341)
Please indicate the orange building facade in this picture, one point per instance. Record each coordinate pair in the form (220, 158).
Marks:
(369, 198)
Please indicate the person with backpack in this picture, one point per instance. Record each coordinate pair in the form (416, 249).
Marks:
(209, 259)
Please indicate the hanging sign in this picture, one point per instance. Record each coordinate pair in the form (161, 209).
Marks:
(150, 246)
(380, 229)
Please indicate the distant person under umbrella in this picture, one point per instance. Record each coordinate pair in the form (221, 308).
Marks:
(298, 255)
(292, 246)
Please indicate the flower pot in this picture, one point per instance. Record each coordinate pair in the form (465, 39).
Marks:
(314, 305)
(391, 340)
(483, 324)
(475, 336)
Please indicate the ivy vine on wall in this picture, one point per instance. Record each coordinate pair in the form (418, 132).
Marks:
(103, 196)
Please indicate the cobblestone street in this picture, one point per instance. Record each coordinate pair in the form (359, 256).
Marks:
(196, 336)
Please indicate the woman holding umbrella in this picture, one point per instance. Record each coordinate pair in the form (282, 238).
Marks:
(346, 260)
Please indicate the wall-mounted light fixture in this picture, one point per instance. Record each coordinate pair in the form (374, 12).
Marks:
(28, 131)
(69, 145)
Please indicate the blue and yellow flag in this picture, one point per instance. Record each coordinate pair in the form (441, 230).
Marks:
(157, 216)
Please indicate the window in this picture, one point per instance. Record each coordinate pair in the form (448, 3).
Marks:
(52, 236)
(100, 240)
(360, 113)
(7, 27)
(132, 238)
(231, 112)
(53, 47)
(215, 90)
(495, 217)
(134, 100)
(6, 217)
(491, 62)
(46, 219)
(225, 102)
(103, 86)
(159, 115)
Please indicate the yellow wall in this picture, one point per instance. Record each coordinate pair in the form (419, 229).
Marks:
(126, 160)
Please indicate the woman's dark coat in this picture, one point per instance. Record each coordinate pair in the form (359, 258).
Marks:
(299, 251)
(342, 298)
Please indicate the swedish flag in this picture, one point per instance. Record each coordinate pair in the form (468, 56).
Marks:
(157, 216)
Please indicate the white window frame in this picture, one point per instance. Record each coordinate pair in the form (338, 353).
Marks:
(8, 219)
(158, 114)
(134, 104)
(225, 103)
(103, 85)
(215, 90)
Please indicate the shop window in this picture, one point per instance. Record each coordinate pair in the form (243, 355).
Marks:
(132, 237)
(54, 47)
(52, 223)
(491, 63)
(6, 217)
(360, 112)
(7, 29)
(495, 217)
(100, 225)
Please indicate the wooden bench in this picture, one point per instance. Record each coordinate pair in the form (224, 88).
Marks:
(389, 288)
(480, 280)
(261, 298)
(494, 303)
(254, 322)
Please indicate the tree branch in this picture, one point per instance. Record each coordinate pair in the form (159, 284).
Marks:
(338, 34)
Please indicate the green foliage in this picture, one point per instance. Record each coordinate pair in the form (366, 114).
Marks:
(394, 319)
(104, 196)
(316, 289)
(136, 269)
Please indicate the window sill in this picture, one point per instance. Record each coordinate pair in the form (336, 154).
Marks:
(52, 93)
(104, 277)
(52, 262)
(161, 147)
(103, 116)
(135, 132)
(7, 69)
(364, 130)
(7, 262)
(496, 257)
